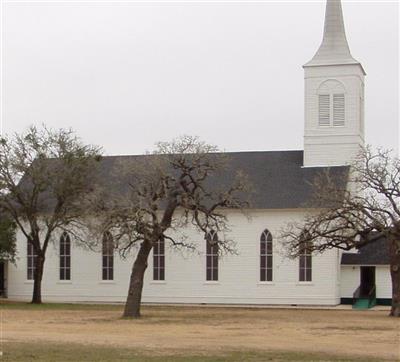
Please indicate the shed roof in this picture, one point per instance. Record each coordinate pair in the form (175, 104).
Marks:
(375, 253)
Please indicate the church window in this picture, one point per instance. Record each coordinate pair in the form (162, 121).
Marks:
(108, 257)
(65, 257)
(305, 263)
(266, 256)
(31, 261)
(159, 260)
(212, 256)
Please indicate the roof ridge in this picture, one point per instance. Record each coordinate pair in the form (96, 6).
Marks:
(216, 153)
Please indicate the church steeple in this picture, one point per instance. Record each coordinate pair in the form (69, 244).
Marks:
(334, 97)
(334, 48)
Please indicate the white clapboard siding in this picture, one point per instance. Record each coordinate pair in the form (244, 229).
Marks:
(333, 136)
(350, 281)
(185, 272)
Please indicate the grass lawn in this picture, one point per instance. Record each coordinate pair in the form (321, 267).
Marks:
(75, 352)
(73, 332)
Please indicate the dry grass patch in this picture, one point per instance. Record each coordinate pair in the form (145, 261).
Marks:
(187, 331)
(18, 352)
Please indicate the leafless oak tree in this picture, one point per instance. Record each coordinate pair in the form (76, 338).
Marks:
(363, 211)
(176, 186)
(44, 176)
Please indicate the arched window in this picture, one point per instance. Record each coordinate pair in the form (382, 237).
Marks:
(159, 260)
(108, 257)
(212, 256)
(266, 256)
(331, 104)
(305, 263)
(31, 261)
(65, 257)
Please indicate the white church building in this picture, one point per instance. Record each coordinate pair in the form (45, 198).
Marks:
(260, 273)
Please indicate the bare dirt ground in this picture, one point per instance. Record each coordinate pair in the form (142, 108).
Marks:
(180, 329)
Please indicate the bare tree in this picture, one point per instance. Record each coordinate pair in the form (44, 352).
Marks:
(7, 239)
(359, 210)
(176, 186)
(44, 176)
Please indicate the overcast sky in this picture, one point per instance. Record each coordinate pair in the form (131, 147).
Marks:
(124, 75)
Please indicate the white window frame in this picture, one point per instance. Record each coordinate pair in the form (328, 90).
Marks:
(107, 257)
(306, 256)
(30, 256)
(65, 268)
(212, 257)
(159, 260)
(266, 238)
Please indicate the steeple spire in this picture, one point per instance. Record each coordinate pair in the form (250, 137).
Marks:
(334, 98)
(334, 48)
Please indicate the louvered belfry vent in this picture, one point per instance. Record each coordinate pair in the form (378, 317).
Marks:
(331, 110)
(338, 109)
(324, 110)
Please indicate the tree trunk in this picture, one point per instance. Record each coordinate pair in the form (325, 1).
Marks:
(132, 305)
(395, 274)
(37, 283)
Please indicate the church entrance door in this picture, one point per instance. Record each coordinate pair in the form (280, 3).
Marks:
(367, 278)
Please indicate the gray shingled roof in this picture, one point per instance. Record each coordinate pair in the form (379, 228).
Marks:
(375, 253)
(279, 181)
